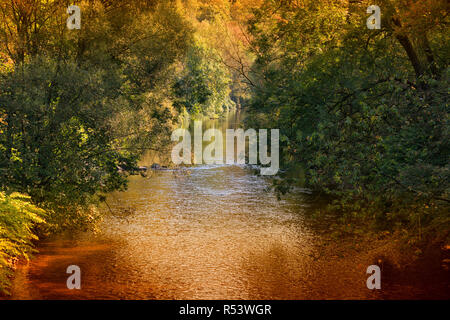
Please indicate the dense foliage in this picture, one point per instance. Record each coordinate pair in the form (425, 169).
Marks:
(78, 105)
(18, 217)
(363, 112)
(205, 85)
(72, 102)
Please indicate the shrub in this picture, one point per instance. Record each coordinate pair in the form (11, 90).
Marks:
(18, 220)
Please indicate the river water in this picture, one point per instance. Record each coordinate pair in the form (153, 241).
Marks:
(206, 232)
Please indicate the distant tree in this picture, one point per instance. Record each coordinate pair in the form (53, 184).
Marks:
(204, 87)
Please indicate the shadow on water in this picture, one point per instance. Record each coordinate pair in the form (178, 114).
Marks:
(211, 232)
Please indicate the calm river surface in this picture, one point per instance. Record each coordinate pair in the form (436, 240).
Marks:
(210, 232)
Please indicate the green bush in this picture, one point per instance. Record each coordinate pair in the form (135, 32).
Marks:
(18, 221)
(363, 112)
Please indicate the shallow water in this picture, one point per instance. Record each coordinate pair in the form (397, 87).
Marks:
(206, 232)
(213, 233)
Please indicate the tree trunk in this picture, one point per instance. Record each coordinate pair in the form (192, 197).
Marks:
(406, 43)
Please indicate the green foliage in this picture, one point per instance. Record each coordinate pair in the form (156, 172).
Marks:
(363, 114)
(75, 105)
(78, 105)
(56, 141)
(368, 123)
(18, 219)
(204, 87)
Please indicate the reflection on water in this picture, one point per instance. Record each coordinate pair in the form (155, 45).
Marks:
(213, 233)
(210, 232)
(207, 232)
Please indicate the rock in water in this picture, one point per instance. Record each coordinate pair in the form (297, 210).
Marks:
(156, 166)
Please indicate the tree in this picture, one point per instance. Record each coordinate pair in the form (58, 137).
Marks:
(204, 88)
(56, 142)
(364, 112)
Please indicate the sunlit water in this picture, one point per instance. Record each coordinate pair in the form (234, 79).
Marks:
(209, 232)
(213, 233)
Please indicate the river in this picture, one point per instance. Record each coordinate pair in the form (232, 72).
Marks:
(206, 232)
